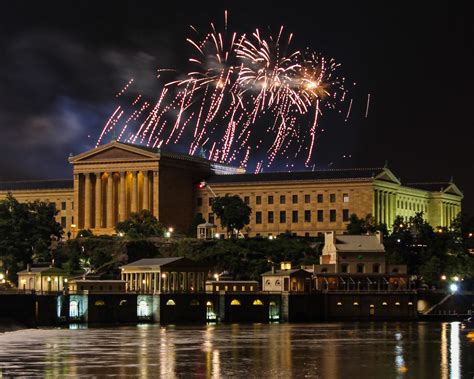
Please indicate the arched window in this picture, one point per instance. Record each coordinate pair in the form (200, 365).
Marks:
(194, 303)
(376, 268)
(360, 268)
(122, 302)
(170, 302)
(267, 282)
(257, 302)
(209, 304)
(99, 303)
(345, 268)
(235, 302)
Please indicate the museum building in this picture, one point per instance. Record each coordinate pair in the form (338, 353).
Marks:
(116, 179)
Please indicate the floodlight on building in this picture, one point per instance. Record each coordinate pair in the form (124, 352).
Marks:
(163, 275)
(49, 279)
(23, 281)
(216, 276)
(56, 279)
(121, 234)
(270, 237)
(65, 280)
(453, 287)
(143, 281)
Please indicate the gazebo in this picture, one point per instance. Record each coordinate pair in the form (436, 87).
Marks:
(206, 231)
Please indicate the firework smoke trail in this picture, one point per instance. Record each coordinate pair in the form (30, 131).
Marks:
(367, 107)
(238, 86)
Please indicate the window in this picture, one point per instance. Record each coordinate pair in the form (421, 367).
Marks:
(170, 302)
(320, 198)
(72, 205)
(295, 199)
(345, 197)
(306, 234)
(332, 198)
(217, 288)
(282, 199)
(270, 199)
(257, 302)
(307, 199)
(251, 288)
(247, 200)
(258, 200)
(376, 268)
(211, 201)
(332, 215)
(345, 215)
(258, 217)
(307, 216)
(211, 218)
(320, 215)
(63, 222)
(345, 268)
(243, 288)
(234, 288)
(235, 302)
(63, 205)
(282, 217)
(199, 201)
(199, 215)
(294, 216)
(360, 268)
(270, 217)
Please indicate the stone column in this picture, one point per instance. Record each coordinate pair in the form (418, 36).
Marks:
(146, 191)
(156, 195)
(98, 200)
(134, 192)
(122, 197)
(87, 201)
(76, 204)
(375, 206)
(109, 200)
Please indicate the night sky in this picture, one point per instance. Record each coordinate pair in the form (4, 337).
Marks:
(62, 64)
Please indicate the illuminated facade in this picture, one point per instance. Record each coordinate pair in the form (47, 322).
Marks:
(116, 179)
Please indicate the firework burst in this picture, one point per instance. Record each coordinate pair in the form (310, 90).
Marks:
(238, 89)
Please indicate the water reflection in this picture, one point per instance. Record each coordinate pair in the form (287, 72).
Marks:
(337, 350)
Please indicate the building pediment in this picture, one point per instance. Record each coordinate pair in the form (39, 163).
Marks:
(114, 151)
(453, 189)
(387, 176)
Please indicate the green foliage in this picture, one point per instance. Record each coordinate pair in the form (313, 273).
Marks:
(358, 226)
(232, 212)
(141, 225)
(192, 229)
(26, 232)
(84, 233)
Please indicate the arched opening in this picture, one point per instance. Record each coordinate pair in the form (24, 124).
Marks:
(170, 302)
(210, 314)
(99, 303)
(194, 303)
(257, 302)
(273, 311)
(235, 302)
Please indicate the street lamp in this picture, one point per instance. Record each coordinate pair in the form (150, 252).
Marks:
(453, 287)
(443, 277)
(456, 278)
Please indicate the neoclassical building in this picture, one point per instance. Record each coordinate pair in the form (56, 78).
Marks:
(115, 179)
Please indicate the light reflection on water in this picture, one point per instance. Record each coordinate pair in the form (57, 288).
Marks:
(336, 350)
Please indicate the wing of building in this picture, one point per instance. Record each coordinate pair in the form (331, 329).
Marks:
(116, 179)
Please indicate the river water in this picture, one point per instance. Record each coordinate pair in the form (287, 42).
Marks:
(333, 350)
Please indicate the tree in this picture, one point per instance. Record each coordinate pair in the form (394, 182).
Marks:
(141, 225)
(232, 212)
(84, 233)
(358, 226)
(26, 232)
(192, 228)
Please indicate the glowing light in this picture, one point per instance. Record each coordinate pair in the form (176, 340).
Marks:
(238, 87)
(453, 287)
(456, 278)
(443, 277)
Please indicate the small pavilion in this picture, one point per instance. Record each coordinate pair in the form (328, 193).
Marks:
(206, 231)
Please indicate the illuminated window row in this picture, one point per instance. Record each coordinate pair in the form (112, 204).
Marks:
(372, 305)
